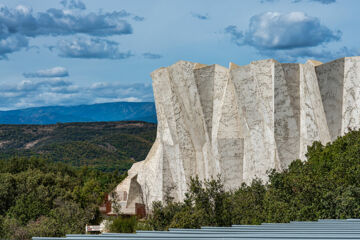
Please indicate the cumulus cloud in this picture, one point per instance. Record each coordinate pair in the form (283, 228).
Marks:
(96, 48)
(56, 72)
(280, 34)
(12, 44)
(20, 23)
(200, 16)
(149, 55)
(273, 30)
(73, 4)
(57, 91)
(22, 20)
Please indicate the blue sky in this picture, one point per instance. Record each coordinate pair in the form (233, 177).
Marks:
(71, 52)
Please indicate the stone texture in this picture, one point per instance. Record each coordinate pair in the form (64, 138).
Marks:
(339, 87)
(241, 121)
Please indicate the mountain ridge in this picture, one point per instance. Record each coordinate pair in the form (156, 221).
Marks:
(100, 112)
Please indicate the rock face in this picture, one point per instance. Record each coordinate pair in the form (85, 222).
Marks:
(241, 121)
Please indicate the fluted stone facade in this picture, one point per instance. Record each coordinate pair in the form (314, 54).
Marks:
(241, 121)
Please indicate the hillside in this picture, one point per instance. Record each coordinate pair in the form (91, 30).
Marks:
(106, 146)
(118, 111)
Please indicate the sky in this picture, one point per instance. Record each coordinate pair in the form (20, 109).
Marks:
(70, 52)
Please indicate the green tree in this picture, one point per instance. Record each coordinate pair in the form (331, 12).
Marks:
(42, 198)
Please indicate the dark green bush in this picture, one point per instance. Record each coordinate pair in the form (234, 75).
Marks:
(123, 225)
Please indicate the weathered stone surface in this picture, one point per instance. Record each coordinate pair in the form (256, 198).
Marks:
(339, 87)
(242, 121)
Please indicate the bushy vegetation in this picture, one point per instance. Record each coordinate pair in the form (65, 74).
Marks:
(123, 225)
(326, 186)
(42, 198)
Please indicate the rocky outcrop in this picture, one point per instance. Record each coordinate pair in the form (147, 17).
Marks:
(241, 121)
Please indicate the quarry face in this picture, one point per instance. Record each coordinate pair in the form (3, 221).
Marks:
(241, 121)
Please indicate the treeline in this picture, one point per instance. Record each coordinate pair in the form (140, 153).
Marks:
(42, 198)
(326, 186)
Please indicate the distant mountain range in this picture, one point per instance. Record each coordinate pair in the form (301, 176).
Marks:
(118, 111)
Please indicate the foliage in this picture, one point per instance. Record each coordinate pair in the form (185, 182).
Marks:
(327, 185)
(143, 225)
(42, 198)
(205, 204)
(123, 225)
(249, 201)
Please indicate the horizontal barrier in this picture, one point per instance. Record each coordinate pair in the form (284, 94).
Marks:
(322, 229)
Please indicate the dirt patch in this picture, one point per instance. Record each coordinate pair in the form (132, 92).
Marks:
(33, 143)
(108, 147)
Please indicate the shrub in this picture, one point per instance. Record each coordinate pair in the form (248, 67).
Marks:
(123, 225)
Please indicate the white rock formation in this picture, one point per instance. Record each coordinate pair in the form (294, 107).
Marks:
(241, 121)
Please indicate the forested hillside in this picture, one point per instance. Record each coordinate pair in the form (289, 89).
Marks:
(106, 146)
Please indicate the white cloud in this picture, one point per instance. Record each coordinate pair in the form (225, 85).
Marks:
(18, 24)
(73, 4)
(287, 36)
(274, 30)
(56, 72)
(22, 20)
(91, 48)
(106, 100)
(57, 91)
(11, 44)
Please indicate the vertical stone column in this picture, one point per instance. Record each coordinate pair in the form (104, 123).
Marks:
(331, 83)
(254, 86)
(339, 83)
(313, 122)
(351, 95)
(287, 112)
